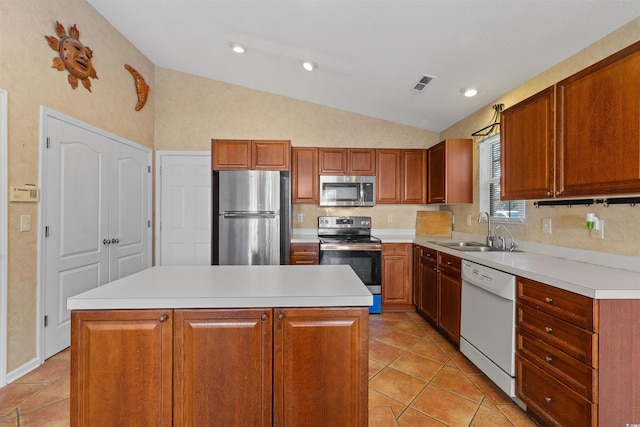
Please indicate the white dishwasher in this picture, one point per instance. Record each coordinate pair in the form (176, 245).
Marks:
(487, 326)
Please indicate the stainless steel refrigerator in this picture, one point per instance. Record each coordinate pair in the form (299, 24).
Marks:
(251, 217)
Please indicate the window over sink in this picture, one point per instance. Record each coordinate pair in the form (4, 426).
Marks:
(507, 211)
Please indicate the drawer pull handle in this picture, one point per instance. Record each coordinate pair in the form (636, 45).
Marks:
(548, 399)
(449, 263)
(548, 359)
(548, 329)
(549, 300)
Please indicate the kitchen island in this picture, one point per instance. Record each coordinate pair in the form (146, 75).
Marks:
(222, 345)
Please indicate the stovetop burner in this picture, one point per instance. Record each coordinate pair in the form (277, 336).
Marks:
(346, 229)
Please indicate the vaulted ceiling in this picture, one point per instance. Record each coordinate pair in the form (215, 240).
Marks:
(369, 53)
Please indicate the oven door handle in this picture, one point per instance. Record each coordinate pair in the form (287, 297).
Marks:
(350, 247)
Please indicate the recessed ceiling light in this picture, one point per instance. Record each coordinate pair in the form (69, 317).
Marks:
(309, 65)
(237, 47)
(469, 91)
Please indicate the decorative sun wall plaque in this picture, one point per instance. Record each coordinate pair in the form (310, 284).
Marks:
(73, 55)
(142, 88)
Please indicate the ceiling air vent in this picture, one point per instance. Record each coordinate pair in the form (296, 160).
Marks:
(423, 81)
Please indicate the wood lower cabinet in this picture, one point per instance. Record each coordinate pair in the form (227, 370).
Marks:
(240, 342)
(121, 368)
(232, 154)
(320, 367)
(281, 367)
(440, 291)
(397, 264)
(449, 295)
(576, 357)
(428, 283)
(304, 254)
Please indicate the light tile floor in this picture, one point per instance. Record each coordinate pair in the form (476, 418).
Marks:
(416, 378)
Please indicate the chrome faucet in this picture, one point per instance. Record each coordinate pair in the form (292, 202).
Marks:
(490, 236)
(512, 246)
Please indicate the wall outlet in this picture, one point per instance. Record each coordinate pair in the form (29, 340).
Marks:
(599, 232)
(300, 218)
(546, 225)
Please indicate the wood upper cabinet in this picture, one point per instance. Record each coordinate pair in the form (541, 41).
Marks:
(401, 176)
(450, 172)
(527, 148)
(320, 367)
(240, 342)
(231, 154)
(388, 178)
(414, 172)
(103, 343)
(397, 277)
(361, 161)
(332, 161)
(347, 161)
(589, 122)
(305, 184)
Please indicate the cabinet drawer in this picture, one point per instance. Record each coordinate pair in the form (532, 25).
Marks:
(450, 263)
(581, 378)
(429, 255)
(396, 249)
(566, 305)
(574, 341)
(550, 400)
(304, 249)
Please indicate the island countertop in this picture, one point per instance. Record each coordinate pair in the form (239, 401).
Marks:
(229, 287)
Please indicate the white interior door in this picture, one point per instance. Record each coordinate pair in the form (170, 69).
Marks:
(76, 196)
(184, 208)
(130, 228)
(96, 191)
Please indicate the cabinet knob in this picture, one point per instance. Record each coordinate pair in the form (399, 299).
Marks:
(116, 240)
(548, 329)
(559, 193)
(163, 318)
(106, 241)
(548, 359)
(549, 193)
(549, 300)
(547, 399)
(264, 317)
(281, 316)
(449, 263)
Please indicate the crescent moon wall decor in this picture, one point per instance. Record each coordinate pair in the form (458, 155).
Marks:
(72, 55)
(142, 88)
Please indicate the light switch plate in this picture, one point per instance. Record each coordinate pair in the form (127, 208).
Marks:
(546, 225)
(25, 222)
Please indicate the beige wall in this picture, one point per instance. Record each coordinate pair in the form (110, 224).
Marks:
(622, 222)
(26, 74)
(184, 112)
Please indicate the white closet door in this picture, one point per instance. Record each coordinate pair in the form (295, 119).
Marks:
(185, 209)
(129, 211)
(76, 199)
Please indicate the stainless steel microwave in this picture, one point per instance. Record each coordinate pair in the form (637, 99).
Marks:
(347, 190)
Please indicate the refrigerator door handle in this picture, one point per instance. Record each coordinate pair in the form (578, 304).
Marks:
(244, 214)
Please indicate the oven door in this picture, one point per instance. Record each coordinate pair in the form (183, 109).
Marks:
(365, 259)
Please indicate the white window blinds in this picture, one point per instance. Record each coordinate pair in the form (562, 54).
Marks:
(489, 166)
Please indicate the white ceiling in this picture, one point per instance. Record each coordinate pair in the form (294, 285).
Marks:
(370, 53)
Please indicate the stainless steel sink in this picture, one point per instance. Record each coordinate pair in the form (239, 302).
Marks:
(461, 244)
(468, 246)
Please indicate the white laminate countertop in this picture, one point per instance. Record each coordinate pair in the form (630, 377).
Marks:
(229, 287)
(583, 278)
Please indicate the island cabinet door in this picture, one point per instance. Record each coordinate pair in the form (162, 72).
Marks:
(320, 367)
(121, 364)
(222, 367)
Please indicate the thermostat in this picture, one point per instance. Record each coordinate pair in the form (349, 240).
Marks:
(24, 193)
